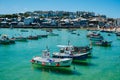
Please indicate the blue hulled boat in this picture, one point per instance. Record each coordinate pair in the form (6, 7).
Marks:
(67, 51)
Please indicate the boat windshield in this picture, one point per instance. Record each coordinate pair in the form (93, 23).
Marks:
(45, 54)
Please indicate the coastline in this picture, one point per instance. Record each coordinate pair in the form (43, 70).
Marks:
(116, 29)
(54, 27)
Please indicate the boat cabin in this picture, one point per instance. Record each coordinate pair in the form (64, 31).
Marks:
(45, 54)
(68, 49)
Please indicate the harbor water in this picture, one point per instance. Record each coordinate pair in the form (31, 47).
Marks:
(104, 63)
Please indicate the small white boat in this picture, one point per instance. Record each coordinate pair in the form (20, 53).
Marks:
(46, 60)
(5, 40)
(93, 33)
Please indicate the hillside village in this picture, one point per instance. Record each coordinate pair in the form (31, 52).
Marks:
(43, 19)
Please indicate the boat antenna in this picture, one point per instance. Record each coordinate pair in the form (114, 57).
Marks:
(47, 48)
(68, 42)
(90, 44)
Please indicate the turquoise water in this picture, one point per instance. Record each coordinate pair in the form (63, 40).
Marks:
(15, 59)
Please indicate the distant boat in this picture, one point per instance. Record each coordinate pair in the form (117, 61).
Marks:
(93, 33)
(49, 30)
(107, 31)
(83, 49)
(117, 33)
(109, 34)
(73, 32)
(32, 37)
(102, 43)
(5, 40)
(96, 38)
(46, 60)
(21, 39)
(22, 30)
(43, 35)
(39, 36)
(53, 34)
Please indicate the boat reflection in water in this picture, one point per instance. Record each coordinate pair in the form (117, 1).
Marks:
(56, 70)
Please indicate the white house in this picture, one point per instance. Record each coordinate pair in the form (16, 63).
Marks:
(118, 22)
(28, 20)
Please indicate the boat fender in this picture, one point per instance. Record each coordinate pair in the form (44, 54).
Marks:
(58, 64)
(43, 63)
(36, 61)
(49, 63)
(32, 60)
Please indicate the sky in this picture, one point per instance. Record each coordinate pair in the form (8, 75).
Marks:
(110, 8)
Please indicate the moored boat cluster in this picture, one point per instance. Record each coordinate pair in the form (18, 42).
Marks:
(97, 39)
(63, 58)
(6, 40)
(67, 54)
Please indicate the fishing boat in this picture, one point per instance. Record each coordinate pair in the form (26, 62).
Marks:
(43, 35)
(96, 38)
(49, 30)
(106, 31)
(83, 49)
(22, 30)
(93, 33)
(46, 60)
(5, 40)
(102, 43)
(39, 36)
(73, 32)
(21, 39)
(117, 33)
(53, 34)
(32, 37)
(109, 34)
(67, 51)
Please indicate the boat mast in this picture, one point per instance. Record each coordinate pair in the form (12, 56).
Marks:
(68, 42)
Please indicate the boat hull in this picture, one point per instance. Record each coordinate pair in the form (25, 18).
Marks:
(102, 43)
(7, 42)
(21, 39)
(51, 62)
(84, 56)
(33, 38)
